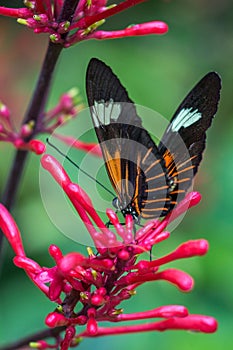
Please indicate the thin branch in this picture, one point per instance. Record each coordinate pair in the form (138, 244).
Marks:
(47, 333)
(35, 109)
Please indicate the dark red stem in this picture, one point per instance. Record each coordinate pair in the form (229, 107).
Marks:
(47, 333)
(34, 112)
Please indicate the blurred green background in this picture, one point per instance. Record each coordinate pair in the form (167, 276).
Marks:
(158, 72)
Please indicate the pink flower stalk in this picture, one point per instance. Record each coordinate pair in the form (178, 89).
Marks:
(89, 147)
(89, 289)
(44, 17)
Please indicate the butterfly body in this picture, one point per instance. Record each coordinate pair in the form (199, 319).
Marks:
(149, 180)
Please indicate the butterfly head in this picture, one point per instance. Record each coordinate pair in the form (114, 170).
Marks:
(126, 209)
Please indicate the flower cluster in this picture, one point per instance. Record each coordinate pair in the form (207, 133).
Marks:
(45, 17)
(89, 289)
(8, 133)
(67, 108)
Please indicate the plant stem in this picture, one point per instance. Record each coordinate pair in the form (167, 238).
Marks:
(33, 113)
(47, 333)
(35, 109)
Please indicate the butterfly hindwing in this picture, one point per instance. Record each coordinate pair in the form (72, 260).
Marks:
(183, 142)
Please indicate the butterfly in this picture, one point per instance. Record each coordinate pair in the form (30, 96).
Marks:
(149, 179)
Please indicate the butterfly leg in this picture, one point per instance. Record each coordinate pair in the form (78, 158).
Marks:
(151, 254)
(108, 224)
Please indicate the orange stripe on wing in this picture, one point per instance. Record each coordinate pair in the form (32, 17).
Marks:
(152, 165)
(146, 155)
(157, 189)
(148, 216)
(177, 191)
(113, 166)
(136, 190)
(188, 160)
(155, 209)
(156, 200)
(184, 170)
(182, 180)
(155, 177)
(168, 158)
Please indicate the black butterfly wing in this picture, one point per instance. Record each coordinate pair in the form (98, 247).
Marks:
(134, 165)
(184, 140)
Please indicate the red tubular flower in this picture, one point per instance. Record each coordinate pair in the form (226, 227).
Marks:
(89, 289)
(196, 323)
(43, 17)
(11, 231)
(93, 148)
(155, 27)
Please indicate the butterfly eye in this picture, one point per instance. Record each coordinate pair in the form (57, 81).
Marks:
(115, 203)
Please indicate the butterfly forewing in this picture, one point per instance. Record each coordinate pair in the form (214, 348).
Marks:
(127, 147)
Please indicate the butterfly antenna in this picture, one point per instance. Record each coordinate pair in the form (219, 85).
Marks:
(78, 167)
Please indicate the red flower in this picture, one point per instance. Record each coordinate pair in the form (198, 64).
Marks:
(67, 108)
(44, 17)
(95, 285)
(8, 133)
